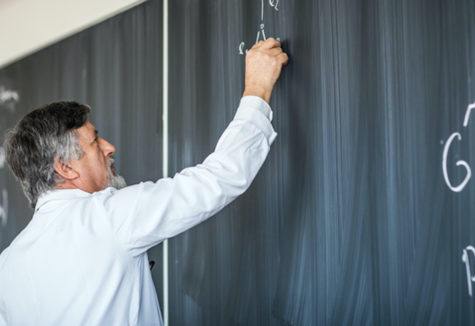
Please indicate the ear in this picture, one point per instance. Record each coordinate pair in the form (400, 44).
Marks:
(65, 170)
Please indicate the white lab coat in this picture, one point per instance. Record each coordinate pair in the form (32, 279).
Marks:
(82, 260)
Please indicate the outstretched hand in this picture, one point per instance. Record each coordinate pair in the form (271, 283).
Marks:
(264, 62)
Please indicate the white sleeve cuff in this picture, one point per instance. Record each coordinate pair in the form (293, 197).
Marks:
(259, 113)
(258, 103)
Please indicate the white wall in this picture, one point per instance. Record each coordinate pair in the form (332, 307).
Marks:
(29, 25)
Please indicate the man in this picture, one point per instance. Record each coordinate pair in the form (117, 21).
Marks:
(82, 259)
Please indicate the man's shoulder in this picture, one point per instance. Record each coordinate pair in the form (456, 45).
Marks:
(3, 258)
(122, 196)
(3, 254)
(11, 247)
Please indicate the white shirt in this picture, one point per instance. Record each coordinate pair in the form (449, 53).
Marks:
(82, 259)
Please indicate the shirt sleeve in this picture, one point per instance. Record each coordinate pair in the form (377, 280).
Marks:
(143, 215)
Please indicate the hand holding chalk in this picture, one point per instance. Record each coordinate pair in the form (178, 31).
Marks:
(264, 62)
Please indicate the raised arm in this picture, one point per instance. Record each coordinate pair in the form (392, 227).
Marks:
(154, 211)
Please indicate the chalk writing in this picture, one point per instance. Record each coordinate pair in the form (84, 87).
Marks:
(4, 194)
(274, 4)
(468, 174)
(470, 107)
(458, 188)
(261, 33)
(8, 95)
(464, 164)
(466, 260)
(4, 208)
(2, 157)
(8, 99)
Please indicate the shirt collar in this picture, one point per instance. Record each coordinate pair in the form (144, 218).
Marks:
(59, 194)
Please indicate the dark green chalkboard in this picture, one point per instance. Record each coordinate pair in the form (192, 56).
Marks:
(350, 221)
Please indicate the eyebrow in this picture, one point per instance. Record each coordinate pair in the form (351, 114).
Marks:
(95, 134)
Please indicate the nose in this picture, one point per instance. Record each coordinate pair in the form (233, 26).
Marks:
(107, 148)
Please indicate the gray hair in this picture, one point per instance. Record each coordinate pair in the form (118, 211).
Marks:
(43, 135)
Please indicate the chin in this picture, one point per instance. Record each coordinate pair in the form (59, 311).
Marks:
(116, 181)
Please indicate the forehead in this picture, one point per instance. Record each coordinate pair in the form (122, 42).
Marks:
(87, 131)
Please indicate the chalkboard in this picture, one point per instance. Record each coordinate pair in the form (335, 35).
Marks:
(363, 213)
(350, 220)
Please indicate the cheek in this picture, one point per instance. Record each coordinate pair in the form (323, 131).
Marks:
(96, 166)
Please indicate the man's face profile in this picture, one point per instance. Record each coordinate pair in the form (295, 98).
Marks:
(94, 171)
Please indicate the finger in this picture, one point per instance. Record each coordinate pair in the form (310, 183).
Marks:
(274, 51)
(284, 58)
(258, 44)
(270, 43)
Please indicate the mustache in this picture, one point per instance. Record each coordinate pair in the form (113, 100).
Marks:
(115, 180)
